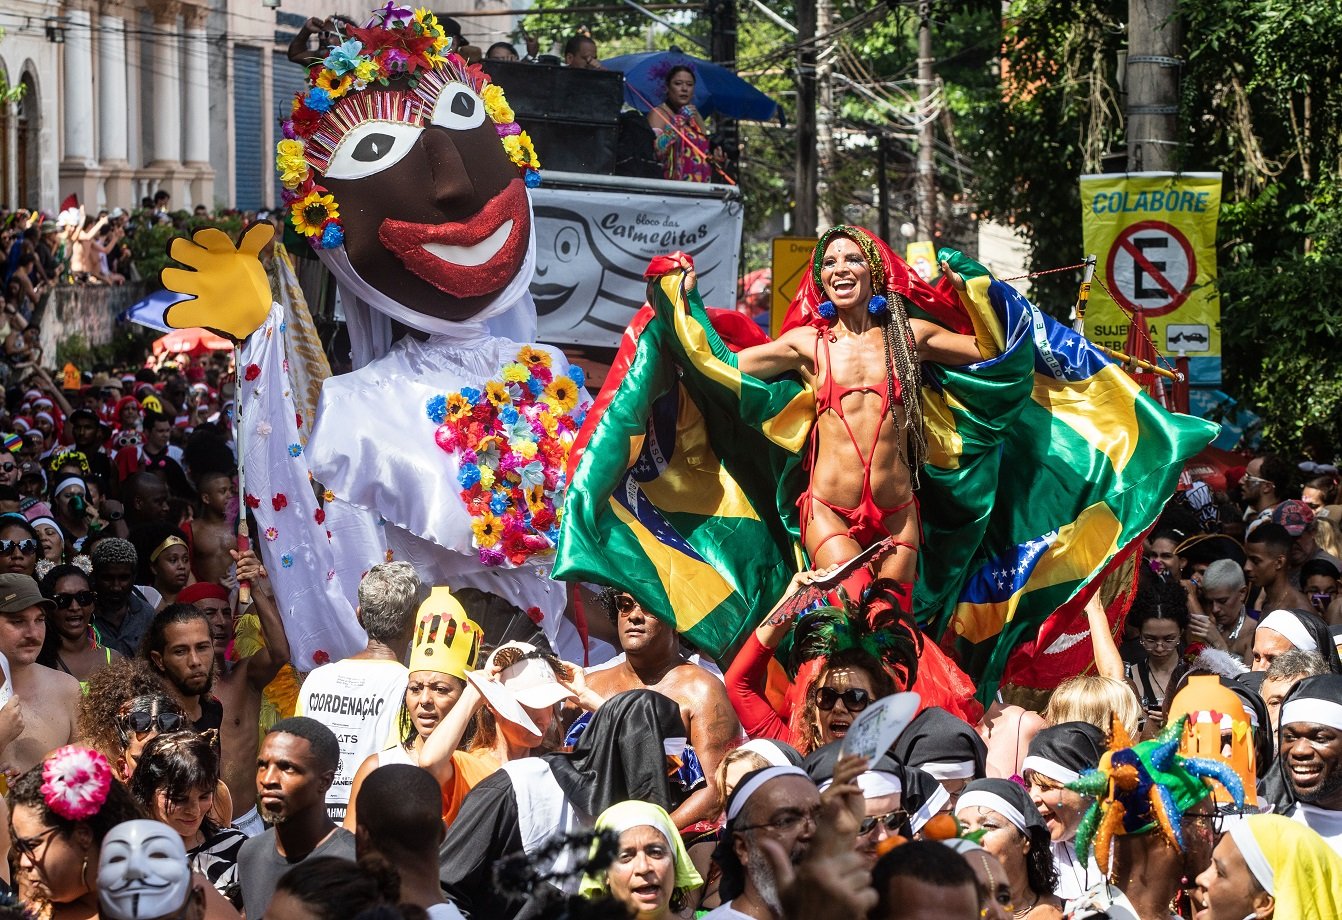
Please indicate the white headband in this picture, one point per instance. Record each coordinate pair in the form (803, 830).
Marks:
(773, 755)
(958, 769)
(981, 798)
(1285, 623)
(754, 781)
(1242, 834)
(929, 809)
(1312, 709)
(874, 784)
(67, 482)
(1054, 771)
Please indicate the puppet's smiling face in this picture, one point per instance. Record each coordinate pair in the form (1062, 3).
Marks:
(435, 213)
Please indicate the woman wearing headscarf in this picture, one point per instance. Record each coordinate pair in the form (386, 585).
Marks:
(899, 799)
(652, 872)
(1282, 630)
(1058, 755)
(621, 755)
(944, 746)
(1017, 835)
(1268, 866)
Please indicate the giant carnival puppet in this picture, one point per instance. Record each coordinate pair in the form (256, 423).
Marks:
(985, 466)
(445, 446)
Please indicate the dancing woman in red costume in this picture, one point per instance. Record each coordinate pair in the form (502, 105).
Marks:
(860, 352)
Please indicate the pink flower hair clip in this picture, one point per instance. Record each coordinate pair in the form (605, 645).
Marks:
(75, 782)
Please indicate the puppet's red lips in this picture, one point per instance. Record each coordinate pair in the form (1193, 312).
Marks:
(469, 258)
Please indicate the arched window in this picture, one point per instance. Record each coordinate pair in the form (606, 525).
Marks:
(26, 155)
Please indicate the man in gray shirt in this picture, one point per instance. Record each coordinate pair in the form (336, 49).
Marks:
(295, 766)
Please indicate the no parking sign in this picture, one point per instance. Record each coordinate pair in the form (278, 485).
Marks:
(1155, 236)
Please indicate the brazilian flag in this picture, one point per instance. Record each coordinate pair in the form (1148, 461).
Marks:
(1046, 465)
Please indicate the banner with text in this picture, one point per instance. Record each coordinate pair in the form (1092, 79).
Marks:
(592, 248)
(1154, 235)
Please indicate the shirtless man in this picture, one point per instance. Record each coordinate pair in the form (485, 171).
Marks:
(653, 661)
(49, 698)
(240, 683)
(213, 536)
(862, 457)
(1266, 564)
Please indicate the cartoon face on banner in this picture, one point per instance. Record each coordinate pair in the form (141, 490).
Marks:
(412, 163)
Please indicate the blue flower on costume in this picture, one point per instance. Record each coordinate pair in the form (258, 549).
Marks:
(344, 57)
(468, 475)
(318, 99)
(437, 409)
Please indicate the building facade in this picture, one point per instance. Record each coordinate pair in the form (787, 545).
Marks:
(123, 98)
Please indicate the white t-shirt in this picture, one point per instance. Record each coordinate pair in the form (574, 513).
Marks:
(445, 911)
(358, 699)
(1323, 821)
(725, 912)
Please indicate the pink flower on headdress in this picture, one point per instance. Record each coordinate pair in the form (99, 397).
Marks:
(75, 781)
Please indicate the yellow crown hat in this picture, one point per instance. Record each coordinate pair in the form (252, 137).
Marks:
(445, 640)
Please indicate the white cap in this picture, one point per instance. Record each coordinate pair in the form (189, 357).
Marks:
(529, 681)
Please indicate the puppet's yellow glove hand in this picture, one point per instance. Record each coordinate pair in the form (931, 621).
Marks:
(228, 283)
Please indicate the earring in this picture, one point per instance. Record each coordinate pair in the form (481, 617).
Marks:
(877, 304)
(826, 309)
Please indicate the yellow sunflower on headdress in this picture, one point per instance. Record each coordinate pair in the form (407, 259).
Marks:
(314, 211)
(335, 84)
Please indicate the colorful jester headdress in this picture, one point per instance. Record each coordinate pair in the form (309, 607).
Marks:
(1143, 787)
(396, 70)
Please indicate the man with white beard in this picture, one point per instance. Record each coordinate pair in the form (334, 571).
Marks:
(781, 803)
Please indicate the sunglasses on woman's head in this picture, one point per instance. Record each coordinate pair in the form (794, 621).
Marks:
(27, 546)
(66, 601)
(855, 699)
(142, 720)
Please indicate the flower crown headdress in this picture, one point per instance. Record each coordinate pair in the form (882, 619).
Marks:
(397, 42)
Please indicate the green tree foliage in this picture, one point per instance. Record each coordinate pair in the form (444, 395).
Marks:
(1262, 103)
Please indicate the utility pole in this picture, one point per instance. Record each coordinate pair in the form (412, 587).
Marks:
(804, 191)
(722, 19)
(883, 184)
(827, 153)
(1152, 83)
(926, 179)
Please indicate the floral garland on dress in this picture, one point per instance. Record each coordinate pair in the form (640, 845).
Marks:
(512, 441)
(396, 43)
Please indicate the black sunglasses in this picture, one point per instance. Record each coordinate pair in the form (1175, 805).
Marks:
(27, 546)
(8, 467)
(82, 598)
(893, 821)
(854, 699)
(142, 720)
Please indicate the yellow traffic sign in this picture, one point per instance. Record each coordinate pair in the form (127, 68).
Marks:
(791, 260)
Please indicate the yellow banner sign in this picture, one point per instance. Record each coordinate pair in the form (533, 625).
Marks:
(1154, 236)
(791, 260)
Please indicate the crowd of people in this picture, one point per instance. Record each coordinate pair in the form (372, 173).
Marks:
(455, 765)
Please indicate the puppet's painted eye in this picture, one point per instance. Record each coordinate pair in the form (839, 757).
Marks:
(371, 148)
(458, 108)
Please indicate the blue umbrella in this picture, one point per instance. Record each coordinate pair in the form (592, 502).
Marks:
(716, 89)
